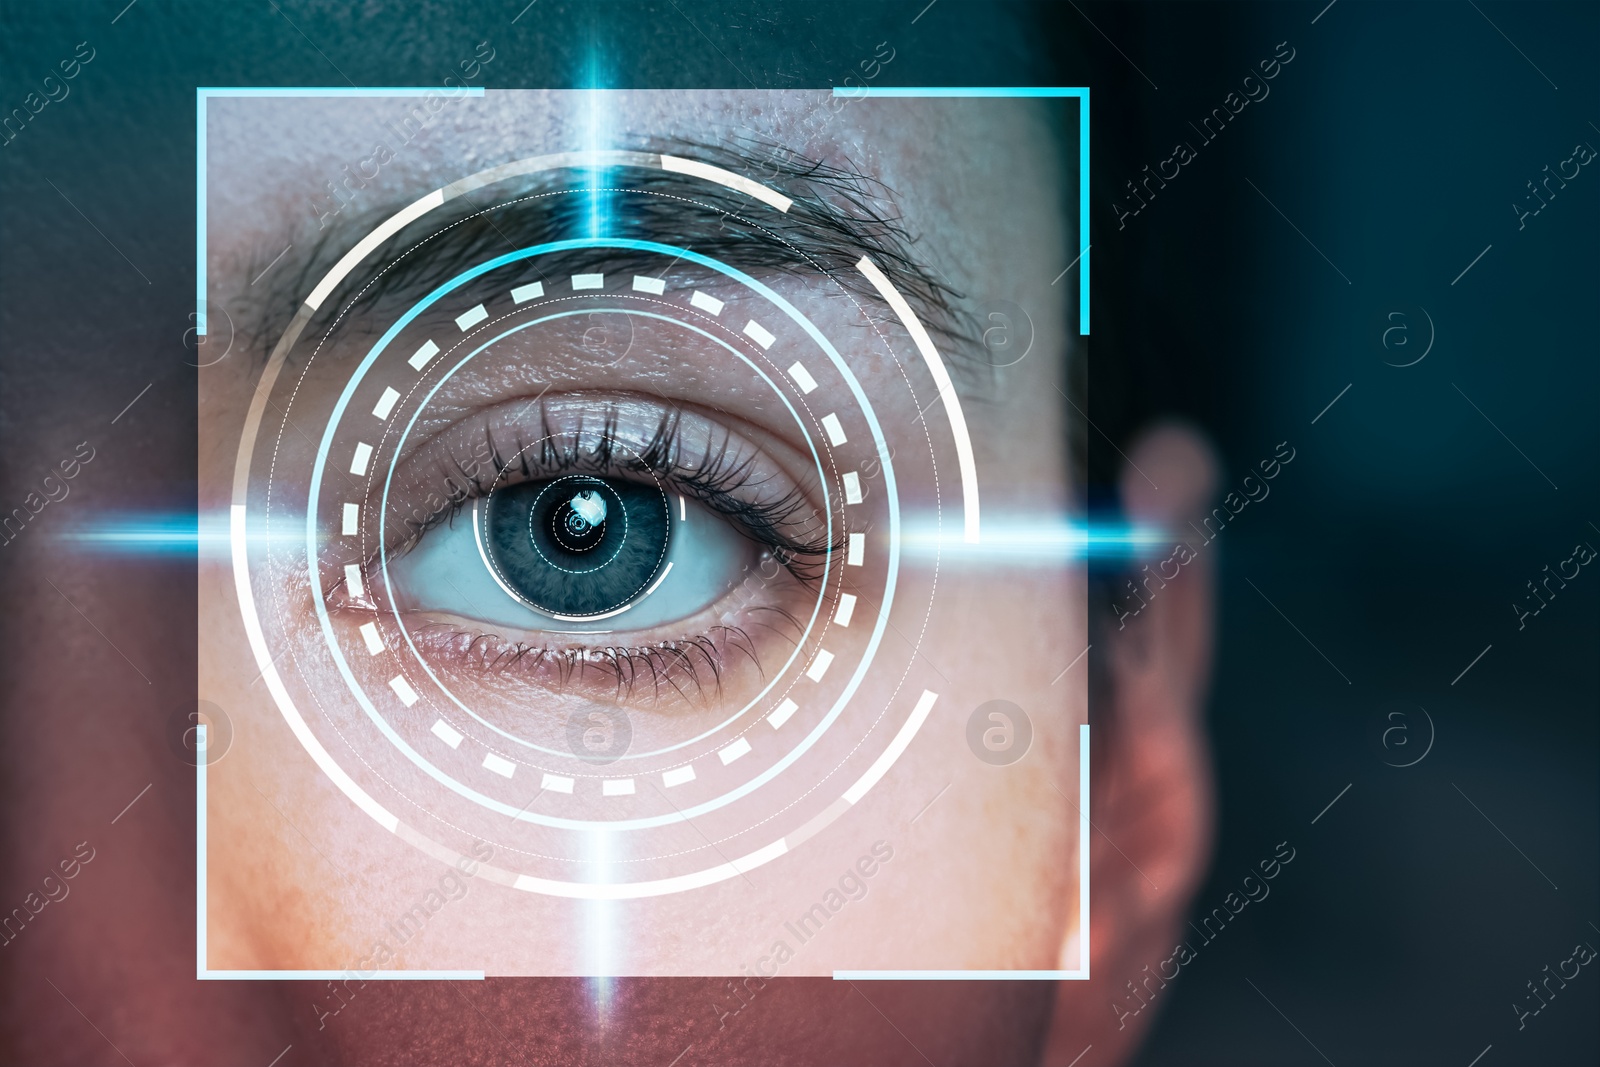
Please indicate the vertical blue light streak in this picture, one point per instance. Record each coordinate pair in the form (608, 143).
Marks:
(599, 921)
(598, 129)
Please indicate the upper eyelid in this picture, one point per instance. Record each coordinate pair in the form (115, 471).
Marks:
(696, 449)
(819, 228)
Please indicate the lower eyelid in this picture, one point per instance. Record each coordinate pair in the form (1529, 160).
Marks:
(733, 635)
(682, 665)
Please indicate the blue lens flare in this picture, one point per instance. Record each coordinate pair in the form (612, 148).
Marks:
(176, 534)
(598, 124)
(1010, 541)
(1006, 541)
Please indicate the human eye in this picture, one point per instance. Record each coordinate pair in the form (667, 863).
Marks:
(532, 530)
(593, 541)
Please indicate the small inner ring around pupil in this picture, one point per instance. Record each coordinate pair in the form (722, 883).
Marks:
(576, 545)
(579, 524)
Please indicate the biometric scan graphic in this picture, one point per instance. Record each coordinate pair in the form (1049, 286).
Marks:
(799, 533)
(617, 570)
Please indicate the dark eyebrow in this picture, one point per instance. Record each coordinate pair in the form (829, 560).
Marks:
(835, 218)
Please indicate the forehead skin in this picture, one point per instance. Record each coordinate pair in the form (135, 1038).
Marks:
(977, 183)
(959, 170)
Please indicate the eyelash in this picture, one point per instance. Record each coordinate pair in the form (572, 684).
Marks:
(695, 660)
(720, 480)
(716, 480)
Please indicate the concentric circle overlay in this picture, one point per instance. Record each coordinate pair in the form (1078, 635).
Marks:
(816, 459)
(522, 813)
(240, 538)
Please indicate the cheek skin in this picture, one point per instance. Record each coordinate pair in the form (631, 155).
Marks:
(303, 879)
(1001, 843)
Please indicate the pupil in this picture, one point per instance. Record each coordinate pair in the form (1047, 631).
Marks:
(578, 523)
(577, 545)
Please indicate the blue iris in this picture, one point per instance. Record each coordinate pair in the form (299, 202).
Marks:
(578, 545)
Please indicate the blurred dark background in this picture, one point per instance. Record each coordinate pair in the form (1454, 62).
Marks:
(1376, 180)
(1393, 547)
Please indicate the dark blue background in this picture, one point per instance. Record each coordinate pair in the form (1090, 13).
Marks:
(1398, 539)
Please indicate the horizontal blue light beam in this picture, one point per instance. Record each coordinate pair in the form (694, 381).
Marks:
(156, 534)
(1030, 541)
(1004, 541)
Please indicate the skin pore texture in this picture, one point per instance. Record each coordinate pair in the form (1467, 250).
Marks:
(986, 874)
